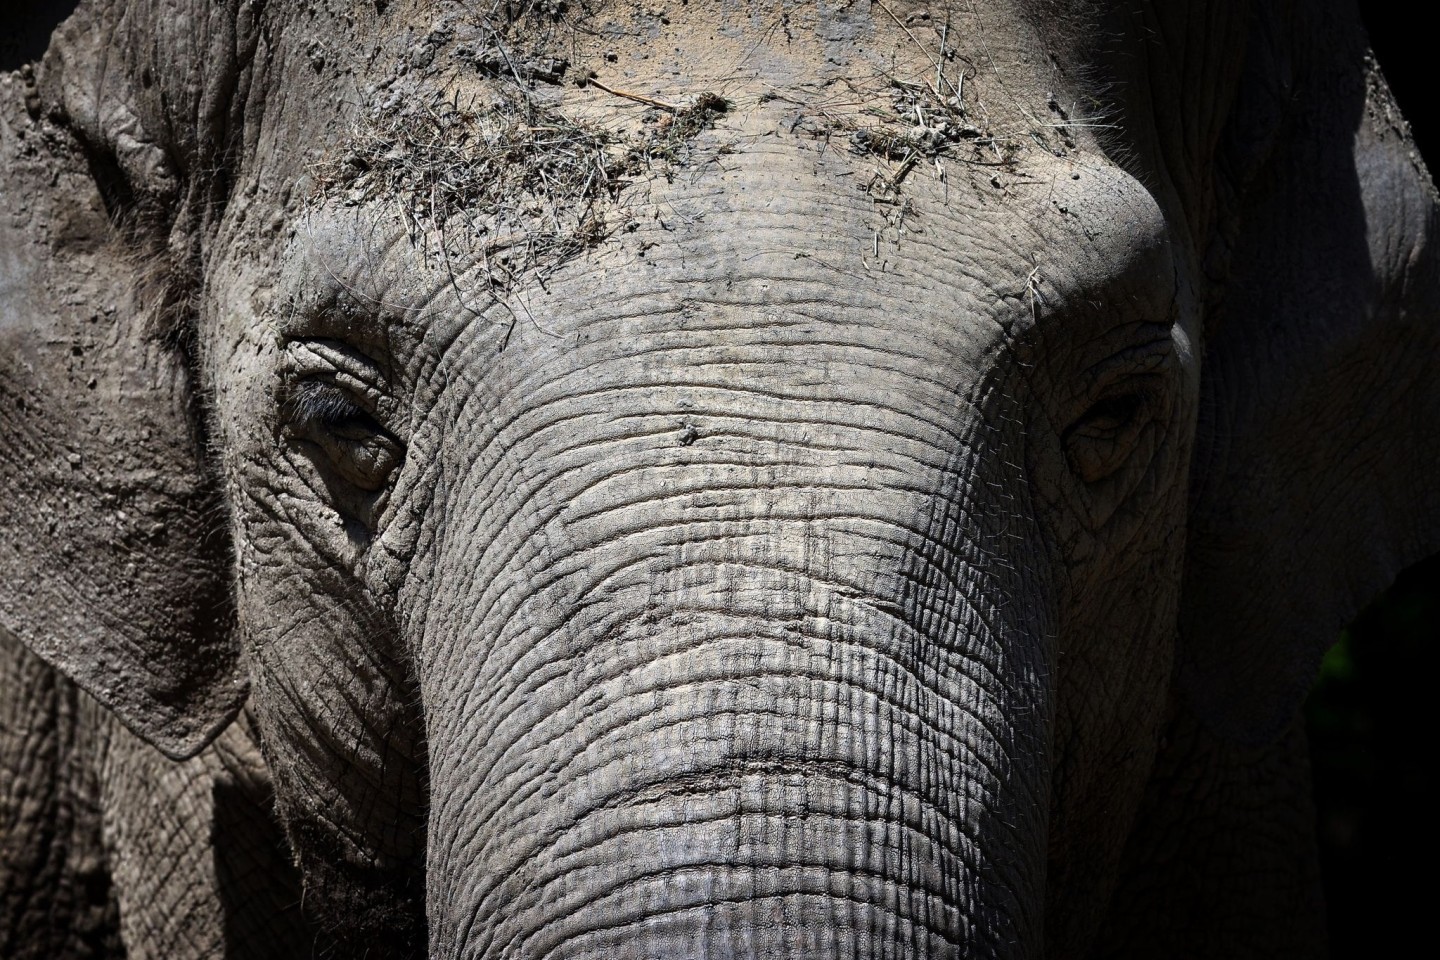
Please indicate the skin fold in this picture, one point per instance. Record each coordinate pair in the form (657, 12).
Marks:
(808, 480)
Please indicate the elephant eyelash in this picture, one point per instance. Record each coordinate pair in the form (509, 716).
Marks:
(318, 404)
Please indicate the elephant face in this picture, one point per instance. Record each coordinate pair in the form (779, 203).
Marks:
(757, 499)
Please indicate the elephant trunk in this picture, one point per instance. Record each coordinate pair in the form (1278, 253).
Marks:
(736, 643)
(741, 737)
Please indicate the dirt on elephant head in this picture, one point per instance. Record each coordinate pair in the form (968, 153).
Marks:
(505, 172)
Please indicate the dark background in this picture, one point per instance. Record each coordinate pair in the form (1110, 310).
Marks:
(25, 27)
(1369, 717)
(1370, 727)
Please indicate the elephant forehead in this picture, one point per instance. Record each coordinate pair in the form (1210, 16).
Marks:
(784, 210)
(930, 149)
(774, 222)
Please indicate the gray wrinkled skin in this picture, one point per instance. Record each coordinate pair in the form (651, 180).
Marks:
(110, 849)
(855, 480)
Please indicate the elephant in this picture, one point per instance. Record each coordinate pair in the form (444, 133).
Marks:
(863, 478)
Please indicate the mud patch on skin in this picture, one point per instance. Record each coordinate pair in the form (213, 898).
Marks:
(505, 177)
(515, 139)
(511, 172)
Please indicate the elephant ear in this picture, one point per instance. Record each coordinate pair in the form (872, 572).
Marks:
(113, 559)
(1315, 480)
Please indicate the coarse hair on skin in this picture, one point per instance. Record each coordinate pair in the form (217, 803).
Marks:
(312, 402)
(1083, 39)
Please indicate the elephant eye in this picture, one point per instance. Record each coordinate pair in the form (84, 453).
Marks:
(348, 437)
(1102, 439)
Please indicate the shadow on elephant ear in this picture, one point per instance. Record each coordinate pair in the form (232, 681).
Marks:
(1368, 719)
(1313, 476)
(117, 563)
(1312, 479)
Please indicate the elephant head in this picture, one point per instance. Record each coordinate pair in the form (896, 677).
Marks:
(747, 479)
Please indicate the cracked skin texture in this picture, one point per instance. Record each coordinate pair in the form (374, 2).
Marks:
(840, 552)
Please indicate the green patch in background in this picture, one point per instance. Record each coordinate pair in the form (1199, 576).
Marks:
(1371, 720)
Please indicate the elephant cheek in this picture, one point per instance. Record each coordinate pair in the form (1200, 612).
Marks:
(337, 715)
(805, 724)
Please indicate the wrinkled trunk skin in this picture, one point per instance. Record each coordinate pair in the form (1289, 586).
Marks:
(729, 655)
(742, 736)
